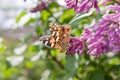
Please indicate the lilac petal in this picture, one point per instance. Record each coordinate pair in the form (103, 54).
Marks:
(96, 6)
(114, 8)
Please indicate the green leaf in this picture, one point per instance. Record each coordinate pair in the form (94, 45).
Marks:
(81, 16)
(38, 30)
(20, 16)
(66, 16)
(53, 5)
(45, 15)
(33, 48)
(76, 31)
(29, 21)
(28, 64)
(71, 65)
(2, 48)
(95, 75)
(50, 65)
(27, 37)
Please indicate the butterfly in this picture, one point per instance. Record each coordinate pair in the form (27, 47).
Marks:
(59, 38)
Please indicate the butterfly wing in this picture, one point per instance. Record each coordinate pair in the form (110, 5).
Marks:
(60, 35)
(65, 37)
(45, 40)
(54, 28)
(50, 41)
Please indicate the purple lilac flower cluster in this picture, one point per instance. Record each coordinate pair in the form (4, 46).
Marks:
(104, 37)
(75, 46)
(82, 5)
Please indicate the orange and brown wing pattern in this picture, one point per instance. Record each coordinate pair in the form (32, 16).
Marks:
(60, 35)
(65, 37)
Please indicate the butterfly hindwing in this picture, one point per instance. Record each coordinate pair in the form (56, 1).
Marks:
(45, 40)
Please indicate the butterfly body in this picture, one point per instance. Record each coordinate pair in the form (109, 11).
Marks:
(60, 36)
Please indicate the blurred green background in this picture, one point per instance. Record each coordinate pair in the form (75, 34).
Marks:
(23, 57)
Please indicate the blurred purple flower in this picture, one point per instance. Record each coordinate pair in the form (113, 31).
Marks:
(114, 8)
(75, 46)
(39, 7)
(83, 5)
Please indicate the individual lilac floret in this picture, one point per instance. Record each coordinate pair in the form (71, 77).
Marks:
(87, 33)
(114, 8)
(71, 3)
(82, 5)
(75, 46)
